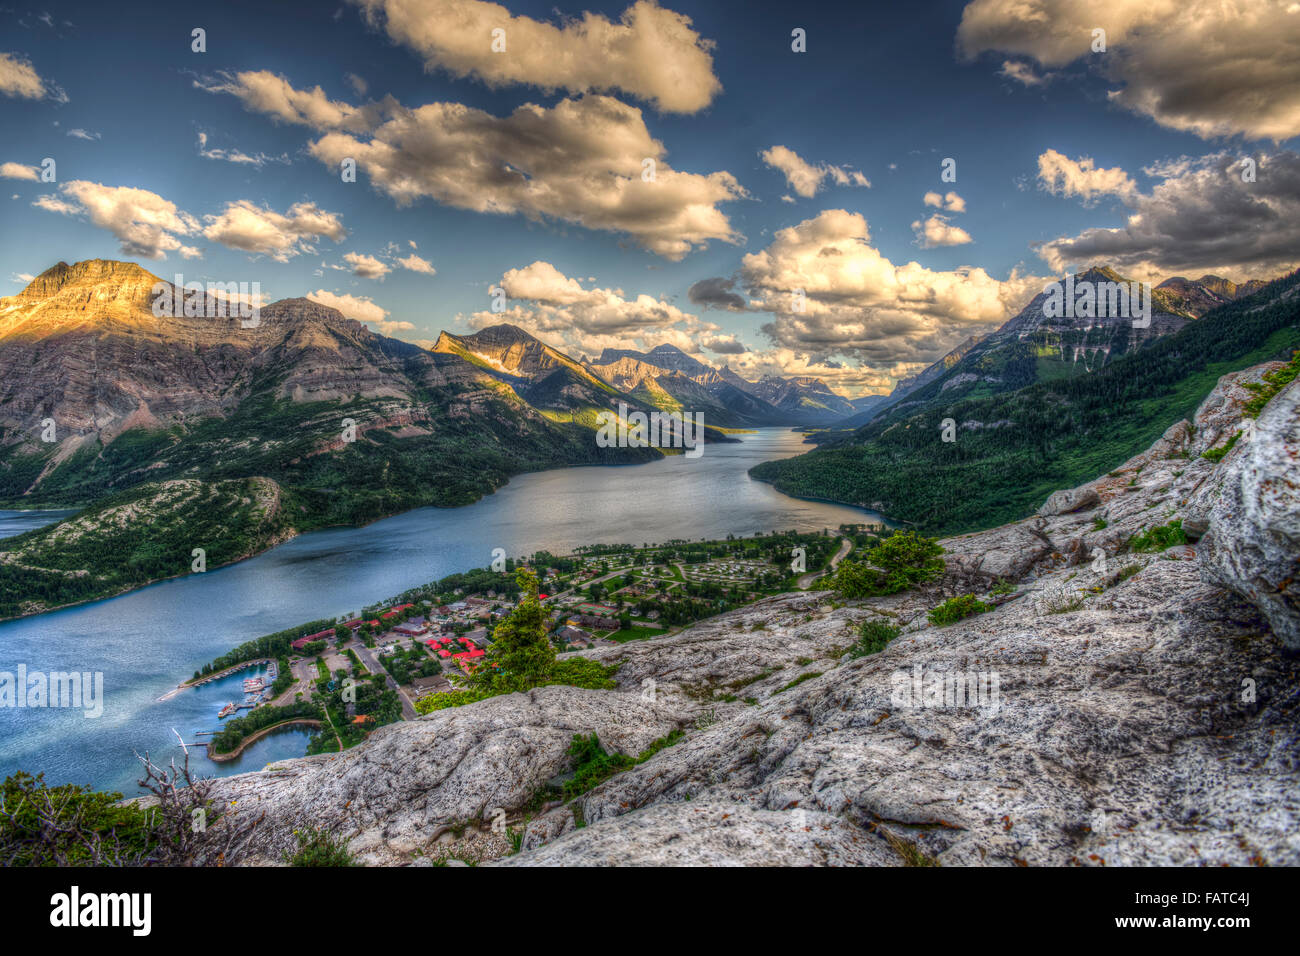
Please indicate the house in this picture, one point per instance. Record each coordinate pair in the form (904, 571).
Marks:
(591, 620)
(302, 642)
(431, 685)
(412, 628)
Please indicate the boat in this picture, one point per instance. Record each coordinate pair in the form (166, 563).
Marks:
(226, 711)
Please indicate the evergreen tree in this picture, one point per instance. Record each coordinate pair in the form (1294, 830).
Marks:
(522, 655)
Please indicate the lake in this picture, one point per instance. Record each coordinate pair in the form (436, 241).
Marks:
(149, 640)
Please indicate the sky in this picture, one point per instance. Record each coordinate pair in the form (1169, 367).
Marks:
(845, 191)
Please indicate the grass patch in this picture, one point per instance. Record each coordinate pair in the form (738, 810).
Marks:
(955, 609)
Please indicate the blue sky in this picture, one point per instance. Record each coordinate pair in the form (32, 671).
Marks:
(887, 91)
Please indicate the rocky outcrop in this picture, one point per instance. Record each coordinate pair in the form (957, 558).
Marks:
(1068, 500)
(413, 783)
(1251, 514)
(1113, 708)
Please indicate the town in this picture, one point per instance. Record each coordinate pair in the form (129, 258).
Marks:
(390, 661)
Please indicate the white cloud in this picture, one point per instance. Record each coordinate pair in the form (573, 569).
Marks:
(1022, 73)
(1210, 67)
(806, 178)
(145, 224)
(84, 134)
(237, 156)
(555, 306)
(367, 267)
(19, 171)
(651, 53)
(938, 231)
(415, 263)
(580, 161)
(19, 79)
(950, 202)
(243, 225)
(859, 304)
(1201, 217)
(1062, 176)
(361, 308)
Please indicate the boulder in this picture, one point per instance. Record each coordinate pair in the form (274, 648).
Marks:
(1252, 542)
(1069, 500)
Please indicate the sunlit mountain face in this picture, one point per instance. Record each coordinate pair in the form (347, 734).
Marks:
(658, 432)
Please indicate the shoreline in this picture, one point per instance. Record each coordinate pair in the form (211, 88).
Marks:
(256, 736)
(295, 532)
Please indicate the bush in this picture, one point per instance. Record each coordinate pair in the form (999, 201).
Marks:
(318, 848)
(902, 561)
(875, 635)
(1159, 537)
(955, 609)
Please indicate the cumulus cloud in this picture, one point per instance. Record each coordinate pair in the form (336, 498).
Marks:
(650, 53)
(414, 263)
(716, 293)
(1209, 67)
(264, 92)
(950, 202)
(362, 308)
(585, 320)
(860, 305)
(145, 224)
(580, 161)
(19, 79)
(938, 231)
(367, 267)
(1062, 176)
(806, 178)
(1202, 217)
(19, 171)
(251, 228)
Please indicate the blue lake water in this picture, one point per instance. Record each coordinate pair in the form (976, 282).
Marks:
(147, 641)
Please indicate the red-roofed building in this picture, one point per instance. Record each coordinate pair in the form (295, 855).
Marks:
(444, 653)
(302, 642)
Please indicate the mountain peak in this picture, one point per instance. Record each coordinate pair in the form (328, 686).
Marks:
(96, 271)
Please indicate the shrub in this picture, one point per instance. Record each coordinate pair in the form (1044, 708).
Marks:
(955, 609)
(1159, 537)
(319, 848)
(901, 561)
(875, 635)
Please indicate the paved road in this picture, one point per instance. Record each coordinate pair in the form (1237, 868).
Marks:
(845, 547)
(371, 660)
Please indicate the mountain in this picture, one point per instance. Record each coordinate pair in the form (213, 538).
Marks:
(808, 399)
(103, 404)
(772, 400)
(1014, 445)
(1198, 296)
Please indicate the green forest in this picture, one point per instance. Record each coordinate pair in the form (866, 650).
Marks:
(1047, 436)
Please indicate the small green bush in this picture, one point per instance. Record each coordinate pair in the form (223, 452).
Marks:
(1159, 537)
(955, 609)
(319, 848)
(874, 636)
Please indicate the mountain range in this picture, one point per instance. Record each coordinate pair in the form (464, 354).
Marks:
(1043, 403)
(145, 421)
(309, 419)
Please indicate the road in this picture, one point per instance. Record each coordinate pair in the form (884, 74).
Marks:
(369, 658)
(845, 547)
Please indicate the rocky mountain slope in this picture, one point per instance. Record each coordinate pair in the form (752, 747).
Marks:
(102, 403)
(1144, 713)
